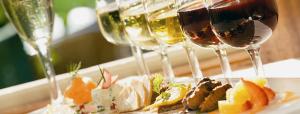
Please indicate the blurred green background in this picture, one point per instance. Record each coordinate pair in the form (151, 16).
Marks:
(86, 45)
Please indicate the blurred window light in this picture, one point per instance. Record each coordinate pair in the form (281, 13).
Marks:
(58, 28)
(7, 31)
(80, 18)
(101, 3)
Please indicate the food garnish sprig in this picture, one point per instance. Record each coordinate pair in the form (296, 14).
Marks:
(102, 76)
(74, 68)
(165, 94)
(106, 79)
(159, 88)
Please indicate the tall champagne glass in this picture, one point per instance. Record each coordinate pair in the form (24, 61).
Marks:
(133, 14)
(33, 20)
(244, 24)
(195, 22)
(164, 26)
(113, 31)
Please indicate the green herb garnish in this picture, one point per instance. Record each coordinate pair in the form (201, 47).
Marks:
(74, 68)
(157, 81)
(165, 96)
(102, 76)
(176, 85)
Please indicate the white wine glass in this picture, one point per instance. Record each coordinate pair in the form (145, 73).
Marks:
(113, 31)
(133, 14)
(165, 27)
(33, 20)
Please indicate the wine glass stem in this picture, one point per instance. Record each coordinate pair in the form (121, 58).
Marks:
(193, 62)
(256, 60)
(225, 65)
(138, 54)
(166, 66)
(44, 54)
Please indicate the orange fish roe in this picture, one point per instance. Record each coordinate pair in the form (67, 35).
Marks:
(79, 91)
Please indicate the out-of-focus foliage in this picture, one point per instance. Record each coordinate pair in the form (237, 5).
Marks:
(62, 7)
(3, 19)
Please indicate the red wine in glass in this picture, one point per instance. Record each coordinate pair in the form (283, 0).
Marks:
(244, 23)
(195, 22)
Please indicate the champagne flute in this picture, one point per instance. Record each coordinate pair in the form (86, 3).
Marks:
(244, 24)
(113, 31)
(195, 22)
(164, 26)
(33, 20)
(132, 14)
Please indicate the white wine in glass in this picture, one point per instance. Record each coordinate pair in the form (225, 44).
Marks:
(133, 15)
(164, 25)
(33, 20)
(110, 24)
(113, 30)
(136, 27)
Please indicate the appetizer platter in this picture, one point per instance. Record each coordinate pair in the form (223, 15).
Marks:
(143, 94)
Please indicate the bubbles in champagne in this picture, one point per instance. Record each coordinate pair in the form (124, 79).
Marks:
(33, 19)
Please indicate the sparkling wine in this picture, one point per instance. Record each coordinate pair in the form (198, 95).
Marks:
(33, 19)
